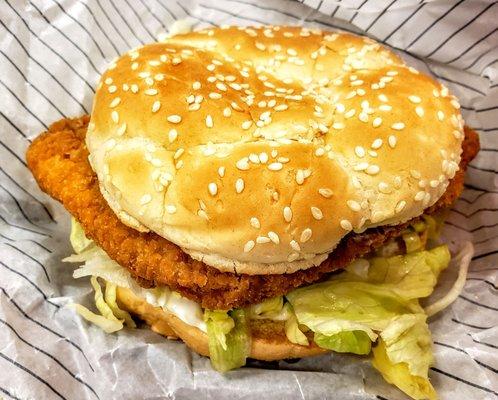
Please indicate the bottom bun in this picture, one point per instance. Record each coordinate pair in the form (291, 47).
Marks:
(268, 340)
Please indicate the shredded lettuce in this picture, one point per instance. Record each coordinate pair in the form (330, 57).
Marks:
(228, 337)
(107, 325)
(77, 237)
(352, 309)
(108, 321)
(110, 299)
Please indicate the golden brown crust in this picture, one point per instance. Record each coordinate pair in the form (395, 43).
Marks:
(58, 160)
(268, 339)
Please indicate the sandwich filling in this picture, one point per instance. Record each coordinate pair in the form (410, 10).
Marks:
(372, 307)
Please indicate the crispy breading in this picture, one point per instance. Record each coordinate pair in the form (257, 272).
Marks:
(59, 162)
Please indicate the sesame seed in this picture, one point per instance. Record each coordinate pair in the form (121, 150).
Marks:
(384, 188)
(221, 86)
(414, 99)
(246, 124)
(249, 246)
(295, 245)
(377, 144)
(115, 102)
(398, 126)
(281, 107)
(213, 189)
(196, 85)
(255, 223)
(150, 92)
(112, 89)
(419, 111)
(354, 205)
(172, 135)
(346, 225)
(243, 164)
(363, 116)
(156, 106)
(300, 177)
(263, 158)
(170, 209)
(239, 185)
(359, 151)
(262, 239)
(293, 257)
(455, 104)
(203, 215)
(227, 112)
(276, 166)
(350, 113)
(115, 116)
(415, 174)
(121, 130)
(287, 214)
(325, 192)
(178, 153)
(209, 121)
(274, 237)
(383, 98)
(385, 107)
(221, 171)
(146, 198)
(373, 169)
(306, 235)
(175, 119)
(419, 196)
(361, 166)
(108, 81)
(317, 213)
(377, 122)
(440, 115)
(400, 206)
(392, 141)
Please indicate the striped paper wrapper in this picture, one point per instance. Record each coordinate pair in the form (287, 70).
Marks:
(52, 54)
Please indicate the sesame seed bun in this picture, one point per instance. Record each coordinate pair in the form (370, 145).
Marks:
(256, 150)
(268, 340)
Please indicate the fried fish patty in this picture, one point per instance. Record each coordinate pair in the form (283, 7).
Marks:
(59, 162)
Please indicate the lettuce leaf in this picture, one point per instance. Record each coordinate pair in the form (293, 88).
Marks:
(398, 374)
(292, 331)
(357, 342)
(228, 338)
(352, 309)
(410, 276)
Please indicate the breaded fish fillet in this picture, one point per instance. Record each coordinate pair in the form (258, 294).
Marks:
(59, 162)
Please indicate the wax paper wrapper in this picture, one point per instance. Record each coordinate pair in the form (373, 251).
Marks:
(52, 54)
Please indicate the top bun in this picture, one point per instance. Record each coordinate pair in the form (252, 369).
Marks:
(257, 149)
